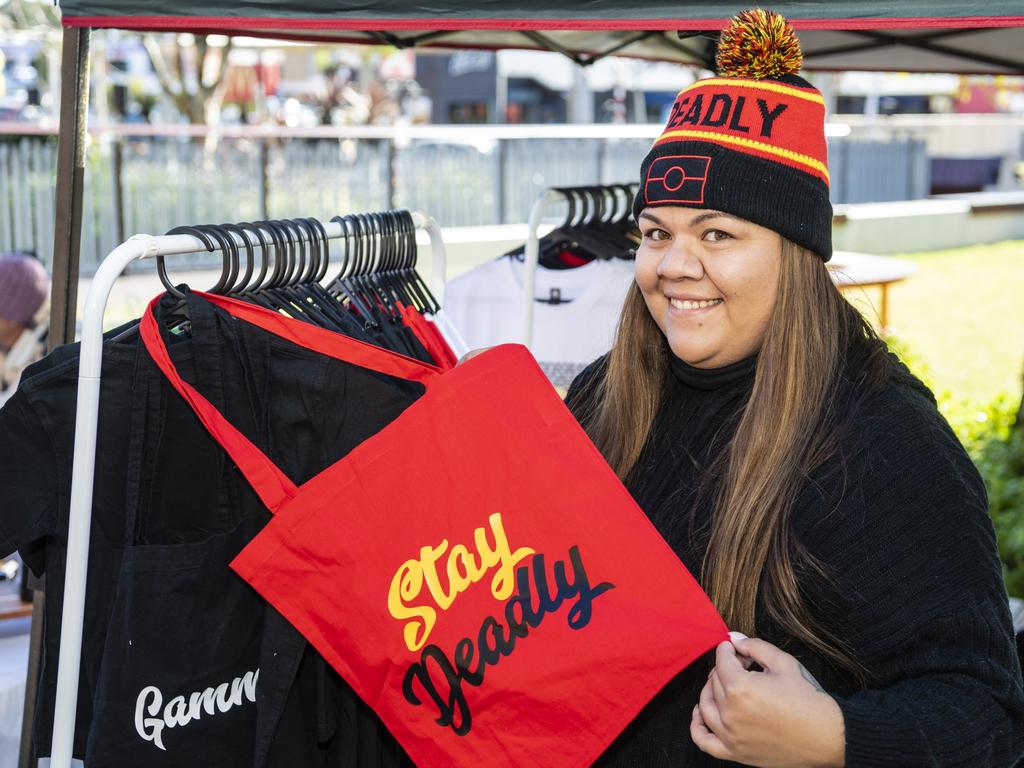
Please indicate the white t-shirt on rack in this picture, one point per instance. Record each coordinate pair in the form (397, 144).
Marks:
(486, 304)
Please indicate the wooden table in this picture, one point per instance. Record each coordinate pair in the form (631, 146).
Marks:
(13, 607)
(864, 270)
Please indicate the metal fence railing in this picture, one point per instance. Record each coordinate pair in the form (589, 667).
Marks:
(148, 179)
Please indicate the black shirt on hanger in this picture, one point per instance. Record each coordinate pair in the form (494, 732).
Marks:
(305, 410)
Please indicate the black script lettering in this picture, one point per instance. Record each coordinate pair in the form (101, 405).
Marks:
(545, 602)
(693, 115)
(675, 116)
(456, 703)
(523, 597)
(579, 613)
(517, 625)
(493, 642)
(737, 113)
(724, 103)
(768, 117)
(464, 651)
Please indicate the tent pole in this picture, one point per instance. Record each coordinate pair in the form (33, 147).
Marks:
(26, 756)
(67, 235)
(74, 107)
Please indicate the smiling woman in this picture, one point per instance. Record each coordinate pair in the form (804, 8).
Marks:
(709, 280)
(791, 462)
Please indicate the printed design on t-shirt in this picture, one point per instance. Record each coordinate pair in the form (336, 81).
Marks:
(525, 589)
(677, 179)
(181, 711)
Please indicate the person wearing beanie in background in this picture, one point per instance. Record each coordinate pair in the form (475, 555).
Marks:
(24, 290)
(795, 466)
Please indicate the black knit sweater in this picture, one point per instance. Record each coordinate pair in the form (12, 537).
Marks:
(899, 518)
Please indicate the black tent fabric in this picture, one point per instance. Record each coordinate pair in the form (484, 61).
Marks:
(964, 36)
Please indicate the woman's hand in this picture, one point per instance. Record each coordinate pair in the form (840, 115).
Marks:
(471, 354)
(776, 718)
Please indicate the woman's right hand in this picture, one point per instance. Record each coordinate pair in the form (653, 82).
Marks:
(471, 354)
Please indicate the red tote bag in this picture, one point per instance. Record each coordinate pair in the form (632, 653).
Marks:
(475, 571)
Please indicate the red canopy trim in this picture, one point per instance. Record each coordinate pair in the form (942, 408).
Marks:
(230, 23)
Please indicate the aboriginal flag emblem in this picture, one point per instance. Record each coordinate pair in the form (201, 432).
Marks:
(677, 179)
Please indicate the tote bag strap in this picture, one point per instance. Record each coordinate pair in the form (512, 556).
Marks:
(326, 342)
(266, 478)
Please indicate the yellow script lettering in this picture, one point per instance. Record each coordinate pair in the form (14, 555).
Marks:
(428, 559)
(463, 568)
(459, 580)
(406, 585)
(503, 583)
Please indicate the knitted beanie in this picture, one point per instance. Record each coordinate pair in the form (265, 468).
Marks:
(750, 142)
(24, 286)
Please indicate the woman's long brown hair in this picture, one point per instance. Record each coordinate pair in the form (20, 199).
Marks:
(788, 427)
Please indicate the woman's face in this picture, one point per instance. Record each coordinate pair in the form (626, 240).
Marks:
(709, 280)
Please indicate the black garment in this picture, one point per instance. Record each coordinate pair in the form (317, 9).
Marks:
(156, 460)
(900, 520)
(181, 653)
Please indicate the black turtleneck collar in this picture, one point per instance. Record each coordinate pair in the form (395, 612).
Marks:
(712, 378)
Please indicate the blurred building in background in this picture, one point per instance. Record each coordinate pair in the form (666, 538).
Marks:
(270, 128)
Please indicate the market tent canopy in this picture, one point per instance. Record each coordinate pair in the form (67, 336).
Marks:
(968, 36)
(963, 36)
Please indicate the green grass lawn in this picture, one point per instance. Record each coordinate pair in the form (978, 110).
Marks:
(961, 315)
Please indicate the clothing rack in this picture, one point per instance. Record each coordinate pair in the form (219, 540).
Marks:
(532, 257)
(84, 456)
(532, 251)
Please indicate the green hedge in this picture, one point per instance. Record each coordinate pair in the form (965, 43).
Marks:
(999, 456)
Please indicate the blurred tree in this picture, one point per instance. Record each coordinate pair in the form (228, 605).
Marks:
(191, 69)
(39, 21)
(28, 14)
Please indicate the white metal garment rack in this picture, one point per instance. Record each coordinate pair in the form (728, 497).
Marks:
(86, 419)
(532, 257)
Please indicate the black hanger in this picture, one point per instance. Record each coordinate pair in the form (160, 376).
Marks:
(563, 237)
(280, 251)
(389, 285)
(254, 291)
(352, 257)
(293, 300)
(339, 319)
(240, 282)
(161, 268)
(339, 288)
(591, 236)
(248, 286)
(283, 261)
(314, 250)
(304, 301)
(378, 298)
(384, 275)
(176, 316)
(325, 245)
(380, 277)
(361, 265)
(404, 260)
(229, 251)
(412, 275)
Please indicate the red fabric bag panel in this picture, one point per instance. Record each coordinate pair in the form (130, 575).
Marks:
(428, 336)
(475, 571)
